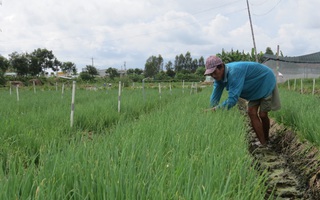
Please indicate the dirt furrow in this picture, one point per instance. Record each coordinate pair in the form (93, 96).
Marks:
(292, 166)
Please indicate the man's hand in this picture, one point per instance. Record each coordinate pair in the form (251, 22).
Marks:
(210, 109)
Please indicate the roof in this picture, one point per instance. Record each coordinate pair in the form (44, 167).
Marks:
(309, 58)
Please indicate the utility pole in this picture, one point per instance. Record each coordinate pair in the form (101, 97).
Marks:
(1, 5)
(92, 61)
(254, 42)
(277, 68)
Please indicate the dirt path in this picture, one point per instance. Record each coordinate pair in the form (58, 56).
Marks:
(292, 166)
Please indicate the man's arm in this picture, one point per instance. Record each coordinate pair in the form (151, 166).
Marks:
(235, 83)
(216, 94)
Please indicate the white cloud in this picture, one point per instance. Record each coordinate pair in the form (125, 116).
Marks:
(117, 31)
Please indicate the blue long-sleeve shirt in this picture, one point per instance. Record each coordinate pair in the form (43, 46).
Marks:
(248, 80)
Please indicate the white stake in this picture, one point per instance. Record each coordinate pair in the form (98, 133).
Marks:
(34, 87)
(72, 102)
(314, 85)
(62, 92)
(10, 88)
(196, 85)
(119, 96)
(17, 89)
(160, 90)
(301, 86)
(191, 88)
(183, 86)
(143, 91)
(170, 89)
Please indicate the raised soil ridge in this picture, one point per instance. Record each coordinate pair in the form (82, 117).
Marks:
(292, 165)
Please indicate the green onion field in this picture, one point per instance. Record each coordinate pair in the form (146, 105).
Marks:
(159, 146)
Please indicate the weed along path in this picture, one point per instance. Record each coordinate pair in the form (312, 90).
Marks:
(292, 166)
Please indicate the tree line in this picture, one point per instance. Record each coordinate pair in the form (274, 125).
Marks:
(184, 67)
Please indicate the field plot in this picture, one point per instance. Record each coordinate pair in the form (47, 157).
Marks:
(38, 118)
(301, 113)
(155, 148)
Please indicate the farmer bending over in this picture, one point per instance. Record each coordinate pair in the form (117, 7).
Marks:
(251, 81)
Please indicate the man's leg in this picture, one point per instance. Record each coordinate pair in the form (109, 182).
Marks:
(256, 123)
(265, 124)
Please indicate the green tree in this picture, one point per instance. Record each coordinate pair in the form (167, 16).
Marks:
(153, 66)
(130, 71)
(159, 63)
(201, 62)
(169, 66)
(136, 71)
(179, 63)
(225, 56)
(91, 70)
(4, 65)
(187, 61)
(200, 71)
(259, 55)
(169, 69)
(112, 72)
(234, 56)
(150, 68)
(162, 76)
(69, 67)
(194, 65)
(20, 63)
(86, 76)
(269, 51)
(42, 59)
(136, 75)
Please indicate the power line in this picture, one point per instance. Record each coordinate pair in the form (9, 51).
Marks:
(260, 3)
(269, 10)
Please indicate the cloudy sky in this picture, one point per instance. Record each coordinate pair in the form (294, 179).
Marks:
(125, 33)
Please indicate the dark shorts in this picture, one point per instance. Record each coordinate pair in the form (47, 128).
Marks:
(264, 103)
(271, 102)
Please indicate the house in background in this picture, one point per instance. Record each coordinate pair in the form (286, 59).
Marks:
(102, 72)
(12, 74)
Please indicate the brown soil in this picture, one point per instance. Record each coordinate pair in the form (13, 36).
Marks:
(292, 165)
